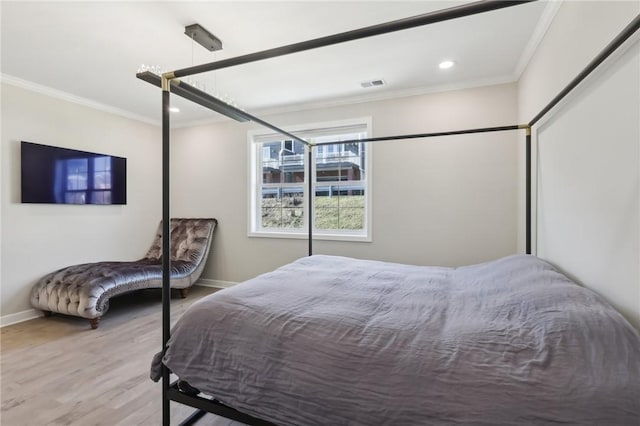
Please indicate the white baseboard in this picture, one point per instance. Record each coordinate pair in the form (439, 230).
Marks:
(206, 282)
(11, 319)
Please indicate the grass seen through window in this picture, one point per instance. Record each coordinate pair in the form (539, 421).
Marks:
(335, 212)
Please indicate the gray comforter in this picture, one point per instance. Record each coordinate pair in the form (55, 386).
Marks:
(335, 341)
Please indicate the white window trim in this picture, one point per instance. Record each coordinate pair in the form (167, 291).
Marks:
(254, 171)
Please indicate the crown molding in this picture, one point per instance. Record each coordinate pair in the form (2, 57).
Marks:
(548, 14)
(65, 96)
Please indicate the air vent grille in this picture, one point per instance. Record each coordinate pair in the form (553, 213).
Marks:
(372, 83)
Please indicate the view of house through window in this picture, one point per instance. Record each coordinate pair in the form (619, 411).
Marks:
(340, 173)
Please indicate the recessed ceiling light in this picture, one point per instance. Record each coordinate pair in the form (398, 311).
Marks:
(174, 109)
(446, 64)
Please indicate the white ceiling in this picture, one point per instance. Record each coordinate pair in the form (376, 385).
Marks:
(92, 51)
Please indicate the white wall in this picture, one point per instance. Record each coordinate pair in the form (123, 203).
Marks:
(39, 238)
(588, 220)
(440, 201)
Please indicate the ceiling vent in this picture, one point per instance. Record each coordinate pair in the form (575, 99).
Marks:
(372, 83)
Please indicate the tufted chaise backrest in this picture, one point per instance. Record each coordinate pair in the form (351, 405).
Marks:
(190, 240)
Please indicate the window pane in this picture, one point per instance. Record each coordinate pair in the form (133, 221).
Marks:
(282, 162)
(298, 147)
(292, 207)
(336, 162)
(293, 168)
(343, 209)
(326, 217)
(270, 163)
(270, 173)
(282, 207)
(292, 217)
(271, 217)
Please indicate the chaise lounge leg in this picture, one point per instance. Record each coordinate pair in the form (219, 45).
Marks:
(47, 313)
(94, 322)
(184, 292)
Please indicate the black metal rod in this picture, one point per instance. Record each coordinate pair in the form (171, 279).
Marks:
(528, 200)
(197, 96)
(166, 247)
(215, 407)
(428, 135)
(602, 56)
(206, 100)
(373, 30)
(193, 418)
(279, 130)
(310, 202)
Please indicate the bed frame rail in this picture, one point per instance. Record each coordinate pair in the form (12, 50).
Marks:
(206, 405)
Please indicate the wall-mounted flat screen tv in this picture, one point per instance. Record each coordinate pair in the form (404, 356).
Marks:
(67, 176)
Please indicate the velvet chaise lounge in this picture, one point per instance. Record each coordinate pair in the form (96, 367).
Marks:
(84, 290)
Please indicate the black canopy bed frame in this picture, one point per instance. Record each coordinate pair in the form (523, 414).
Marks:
(171, 82)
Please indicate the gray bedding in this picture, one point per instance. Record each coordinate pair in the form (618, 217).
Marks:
(336, 341)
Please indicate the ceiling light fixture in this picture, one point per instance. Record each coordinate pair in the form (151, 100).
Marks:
(207, 40)
(446, 65)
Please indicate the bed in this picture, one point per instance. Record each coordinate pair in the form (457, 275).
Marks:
(330, 340)
(534, 348)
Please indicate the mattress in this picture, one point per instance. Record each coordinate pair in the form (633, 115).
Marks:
(330, 340)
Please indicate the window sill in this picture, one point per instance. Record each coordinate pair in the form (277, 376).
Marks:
(316, 236)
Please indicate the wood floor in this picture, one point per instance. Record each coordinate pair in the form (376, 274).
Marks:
(57, 371)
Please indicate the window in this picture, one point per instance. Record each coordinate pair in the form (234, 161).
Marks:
(341, 182)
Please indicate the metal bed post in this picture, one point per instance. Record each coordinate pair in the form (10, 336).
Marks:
(310, 201)
(166, 245)
(528, 204)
